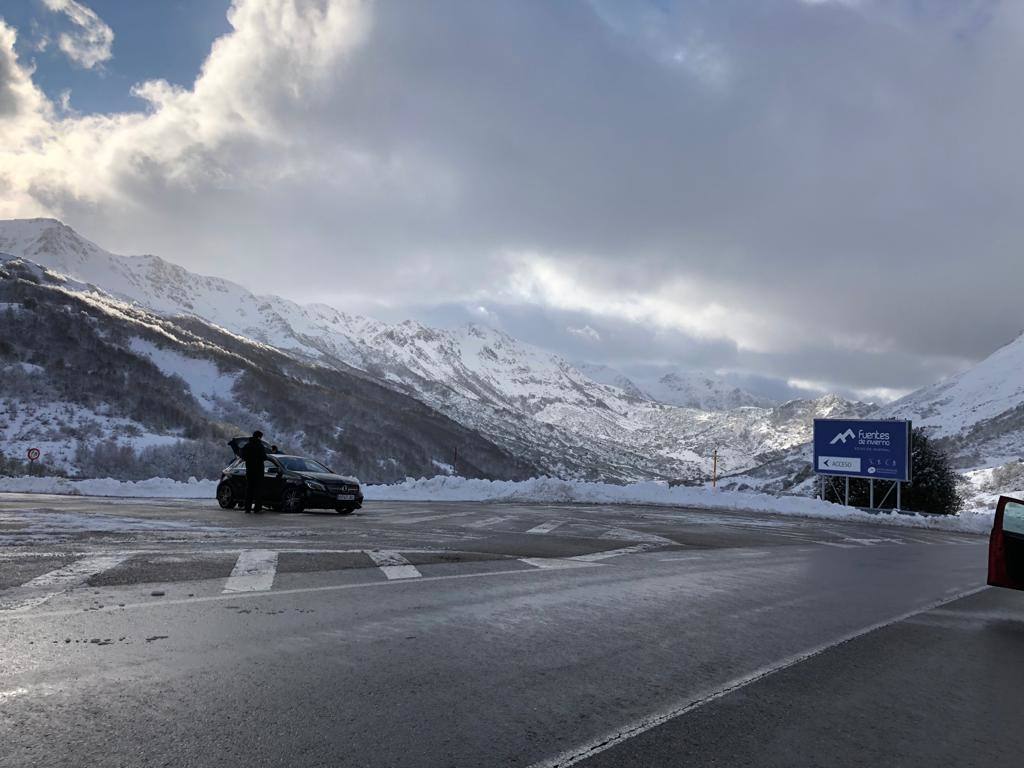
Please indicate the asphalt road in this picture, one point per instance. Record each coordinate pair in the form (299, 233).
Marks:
(175, 633)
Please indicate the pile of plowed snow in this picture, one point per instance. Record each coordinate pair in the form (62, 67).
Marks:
(154, 488)
(552, 490)
(543, 490)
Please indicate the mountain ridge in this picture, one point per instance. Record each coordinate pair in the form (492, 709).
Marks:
(532, 402)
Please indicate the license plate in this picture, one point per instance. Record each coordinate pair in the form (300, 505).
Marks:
(346, 497)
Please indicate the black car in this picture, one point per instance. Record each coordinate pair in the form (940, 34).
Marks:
(290, 484)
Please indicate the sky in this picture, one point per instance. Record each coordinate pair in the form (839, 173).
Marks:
(803, 195)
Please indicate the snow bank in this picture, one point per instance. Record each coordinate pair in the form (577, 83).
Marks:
(543, 489)
(552, 490)
(154, 488)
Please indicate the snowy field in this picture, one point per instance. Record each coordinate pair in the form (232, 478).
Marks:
(976, 519)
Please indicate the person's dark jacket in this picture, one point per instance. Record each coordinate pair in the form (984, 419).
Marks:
(254, 455)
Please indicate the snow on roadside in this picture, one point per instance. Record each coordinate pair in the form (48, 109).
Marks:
(552, 490)
(154, 488)
(542, 489)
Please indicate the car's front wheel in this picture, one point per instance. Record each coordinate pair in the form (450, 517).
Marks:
(293, 501)
(226, 496)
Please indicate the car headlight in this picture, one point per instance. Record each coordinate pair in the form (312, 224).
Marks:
(313, 485)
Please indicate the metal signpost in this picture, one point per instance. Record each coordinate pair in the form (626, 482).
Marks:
(873, 449)
(33, 457)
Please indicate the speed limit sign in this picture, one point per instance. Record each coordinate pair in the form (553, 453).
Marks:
(33, 454)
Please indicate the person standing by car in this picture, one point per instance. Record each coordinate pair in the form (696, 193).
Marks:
(254, 454)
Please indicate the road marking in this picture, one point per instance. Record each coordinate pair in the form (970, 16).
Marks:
(423, 518)
(487, 522)
(393, 565)
(254, 571)
(595, 556)
(547, 527)
(626, 534)
(165, 603)
(553, 563)
(584, 751)
(42, 588)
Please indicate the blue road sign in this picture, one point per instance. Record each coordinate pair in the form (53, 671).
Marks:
(862, 448)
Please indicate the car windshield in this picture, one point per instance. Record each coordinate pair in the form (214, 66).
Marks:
(299, 464)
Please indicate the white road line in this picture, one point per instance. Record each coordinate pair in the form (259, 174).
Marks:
(625, 534)
(488, 521)
(636, 728)
(547, 527)
(553, 563)
(393, 565)
(422, 518)
(595, 556)
(254, 571)
(42, 588)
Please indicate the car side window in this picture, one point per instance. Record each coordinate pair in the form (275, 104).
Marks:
(269, 466)
(1013, 518)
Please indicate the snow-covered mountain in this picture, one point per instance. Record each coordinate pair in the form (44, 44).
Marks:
(976, 417)
(530, 402)
(110, 389)
(702, 390)
(978, 414)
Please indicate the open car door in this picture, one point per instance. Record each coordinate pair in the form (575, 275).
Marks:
(238, 443)
(1006, 545)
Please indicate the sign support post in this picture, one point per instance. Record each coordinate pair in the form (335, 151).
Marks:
(871, 493)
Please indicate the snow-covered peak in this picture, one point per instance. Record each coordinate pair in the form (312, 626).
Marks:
(984, 391)
(605, 374)
(700, 389)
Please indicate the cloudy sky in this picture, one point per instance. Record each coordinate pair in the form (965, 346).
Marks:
(822, 194)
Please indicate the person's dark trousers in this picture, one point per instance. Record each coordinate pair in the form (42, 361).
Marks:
(254, 492)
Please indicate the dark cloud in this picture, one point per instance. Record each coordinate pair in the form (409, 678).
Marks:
(822, 192)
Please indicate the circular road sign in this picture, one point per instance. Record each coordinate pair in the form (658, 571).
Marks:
(33, 454)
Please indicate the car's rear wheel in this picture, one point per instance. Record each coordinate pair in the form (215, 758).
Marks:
(226, 496)
(344, 509)
(292, 501)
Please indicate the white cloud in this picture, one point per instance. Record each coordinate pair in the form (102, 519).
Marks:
(229, 129)
(93, 40)
(585, 332)
(804, 188)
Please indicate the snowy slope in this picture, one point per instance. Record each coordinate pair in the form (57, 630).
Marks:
(702, 390)
(977, 415)
(699, 389)
(529, 401)
(101, 386)
(983, 392)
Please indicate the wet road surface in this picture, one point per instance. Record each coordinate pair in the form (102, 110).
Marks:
(463, 634)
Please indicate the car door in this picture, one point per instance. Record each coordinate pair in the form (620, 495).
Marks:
(273, 481)
(236, 476)
(1006, 545)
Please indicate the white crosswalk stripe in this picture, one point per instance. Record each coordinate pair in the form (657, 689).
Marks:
(547, 527)
(555, 563)
(254, 571)
(394, 565)
(595, 556)
(625, 534)
(487, 522)
(42, 588)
